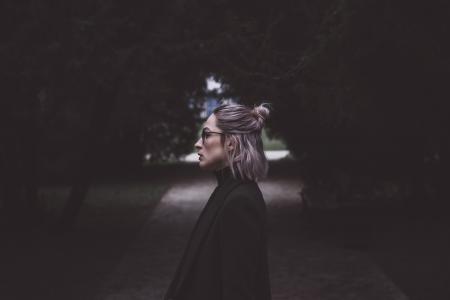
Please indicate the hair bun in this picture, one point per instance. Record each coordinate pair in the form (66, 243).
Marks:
(262, 113)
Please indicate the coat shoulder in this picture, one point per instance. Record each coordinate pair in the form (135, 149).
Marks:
(245, 194)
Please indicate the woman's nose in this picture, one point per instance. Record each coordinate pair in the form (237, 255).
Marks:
(198, 144)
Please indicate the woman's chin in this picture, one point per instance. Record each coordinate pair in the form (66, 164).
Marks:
(202, 165)
(205, 166)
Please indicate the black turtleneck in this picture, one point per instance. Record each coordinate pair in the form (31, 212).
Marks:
(223, 175)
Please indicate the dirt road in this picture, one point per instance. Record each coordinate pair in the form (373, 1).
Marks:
(300, 268)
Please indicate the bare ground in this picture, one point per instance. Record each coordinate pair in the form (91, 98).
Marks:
(300, 267)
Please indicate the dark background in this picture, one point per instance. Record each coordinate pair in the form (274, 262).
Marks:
(359, 91)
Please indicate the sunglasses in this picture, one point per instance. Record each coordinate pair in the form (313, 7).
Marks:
(207, 133)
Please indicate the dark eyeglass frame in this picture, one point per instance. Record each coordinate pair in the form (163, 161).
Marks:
(205, 134)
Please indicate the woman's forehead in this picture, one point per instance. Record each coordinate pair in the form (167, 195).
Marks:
(210, 123)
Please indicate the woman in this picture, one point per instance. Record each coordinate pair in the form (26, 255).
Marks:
(226, 256)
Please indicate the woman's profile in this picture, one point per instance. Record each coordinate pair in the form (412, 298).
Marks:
(226, 254)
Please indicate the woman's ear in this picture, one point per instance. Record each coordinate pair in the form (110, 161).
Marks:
(229, 145)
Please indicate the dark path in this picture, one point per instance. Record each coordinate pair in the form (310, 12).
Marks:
(132, 232)
(300, 268)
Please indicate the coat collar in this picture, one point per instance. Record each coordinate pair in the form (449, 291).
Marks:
(226, 183)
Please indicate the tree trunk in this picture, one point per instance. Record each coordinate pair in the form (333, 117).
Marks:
(30, 144)
(87, 166)
(443, 176)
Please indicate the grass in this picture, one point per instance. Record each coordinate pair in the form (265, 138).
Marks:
(103, 197)
(272, 144)
(73, 265)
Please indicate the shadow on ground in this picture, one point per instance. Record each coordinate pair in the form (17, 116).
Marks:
(411, 249)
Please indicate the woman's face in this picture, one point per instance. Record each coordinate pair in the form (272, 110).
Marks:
(212, 155)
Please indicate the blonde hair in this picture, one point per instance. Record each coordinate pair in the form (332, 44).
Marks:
(242, 126)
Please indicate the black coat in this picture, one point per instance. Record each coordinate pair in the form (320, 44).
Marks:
(226, 255)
